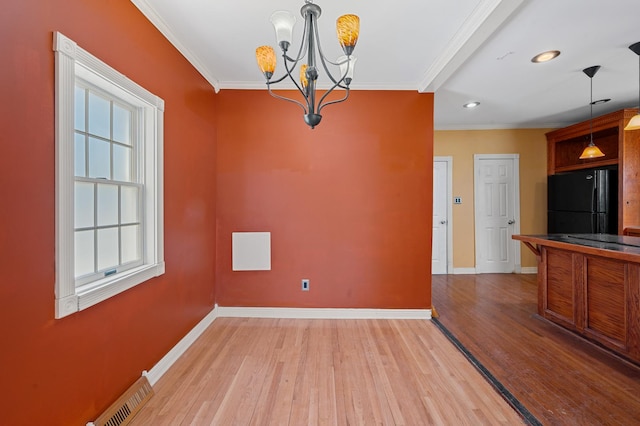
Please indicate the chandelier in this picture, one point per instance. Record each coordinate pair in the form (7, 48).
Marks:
(348, 28)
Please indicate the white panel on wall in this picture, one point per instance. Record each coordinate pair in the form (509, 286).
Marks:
(251, 251)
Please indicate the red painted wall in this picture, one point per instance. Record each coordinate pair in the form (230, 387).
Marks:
(348, 204)
(65, 372)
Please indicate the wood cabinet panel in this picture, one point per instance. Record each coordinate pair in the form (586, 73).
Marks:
(633, 309)
(605, 301)
(559, 295)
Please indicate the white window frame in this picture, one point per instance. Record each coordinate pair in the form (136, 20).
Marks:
(71, 61)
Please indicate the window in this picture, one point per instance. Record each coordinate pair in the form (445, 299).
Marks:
(109, 140)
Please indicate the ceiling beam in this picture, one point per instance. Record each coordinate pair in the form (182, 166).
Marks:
(481, 24)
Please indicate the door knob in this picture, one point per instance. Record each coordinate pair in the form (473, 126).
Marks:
(511, 222)
(443, 222)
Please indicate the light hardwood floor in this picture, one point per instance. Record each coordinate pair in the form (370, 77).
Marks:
(324, 372)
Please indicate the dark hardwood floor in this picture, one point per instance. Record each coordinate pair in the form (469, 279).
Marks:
(558, 377)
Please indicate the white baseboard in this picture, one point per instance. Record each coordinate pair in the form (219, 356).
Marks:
(172, 356)
(464, 271)
(472, 271)
(323, 313)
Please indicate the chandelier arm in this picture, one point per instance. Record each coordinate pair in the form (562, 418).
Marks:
(303, 47)
(339, 82)
(322, 56)
(279, 80)
(302, 92)
(287, 74)
(324, 61)
(337, 101)
(286, 99)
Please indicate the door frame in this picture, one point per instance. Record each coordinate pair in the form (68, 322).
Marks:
(449, 196)
(513, 244)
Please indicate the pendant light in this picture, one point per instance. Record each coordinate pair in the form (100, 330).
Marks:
(634, 123)
(591, 151)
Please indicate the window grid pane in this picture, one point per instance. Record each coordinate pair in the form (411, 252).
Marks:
(99, 158)
(107, 248)
(84, 253)
(99, 115)
(107, 204)
(80, 155)
(79, 108)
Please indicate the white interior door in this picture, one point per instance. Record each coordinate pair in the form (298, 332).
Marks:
(441, 242)
(497, 212)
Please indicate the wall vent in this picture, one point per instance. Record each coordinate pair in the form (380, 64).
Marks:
(124, 409)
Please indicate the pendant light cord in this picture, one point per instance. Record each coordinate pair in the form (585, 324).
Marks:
(591, 113)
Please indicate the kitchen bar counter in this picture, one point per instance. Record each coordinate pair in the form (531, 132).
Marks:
(623, 247)
(590, 284)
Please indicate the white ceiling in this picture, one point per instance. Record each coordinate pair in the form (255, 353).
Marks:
(463, 50)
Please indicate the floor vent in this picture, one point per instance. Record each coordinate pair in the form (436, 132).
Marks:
(124, 409)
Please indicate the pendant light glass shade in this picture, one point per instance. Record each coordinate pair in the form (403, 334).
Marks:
(347, 65)
(266, 57)
(634, 123)
(283, 22)
(591, 151)
(348, 29)
(304, 81)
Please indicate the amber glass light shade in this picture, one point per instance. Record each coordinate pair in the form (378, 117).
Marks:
(266, 57)
(591, 151)
(303, 76)
(634, 123)
(348, 28)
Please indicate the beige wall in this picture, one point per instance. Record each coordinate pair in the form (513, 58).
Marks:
(462, 145)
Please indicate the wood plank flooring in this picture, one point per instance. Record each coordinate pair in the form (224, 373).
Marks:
(560, 378)
(324, 372)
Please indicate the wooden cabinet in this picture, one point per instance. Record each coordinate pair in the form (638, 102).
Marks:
(588, 294)
(591, 291)
(621, 148)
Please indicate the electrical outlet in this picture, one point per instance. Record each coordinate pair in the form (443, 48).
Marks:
(305, 284)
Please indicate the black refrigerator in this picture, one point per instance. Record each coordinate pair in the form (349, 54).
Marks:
(583, 202)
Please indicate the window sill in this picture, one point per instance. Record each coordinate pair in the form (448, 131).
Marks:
(101, 290)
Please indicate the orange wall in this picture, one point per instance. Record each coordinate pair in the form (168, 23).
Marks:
(65, 372)
(348, 204)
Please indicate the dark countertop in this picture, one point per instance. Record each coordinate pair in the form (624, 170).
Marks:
(614, 243)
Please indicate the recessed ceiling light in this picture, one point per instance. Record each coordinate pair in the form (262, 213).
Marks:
(545, 56)
(600, 101)
(471, 104)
